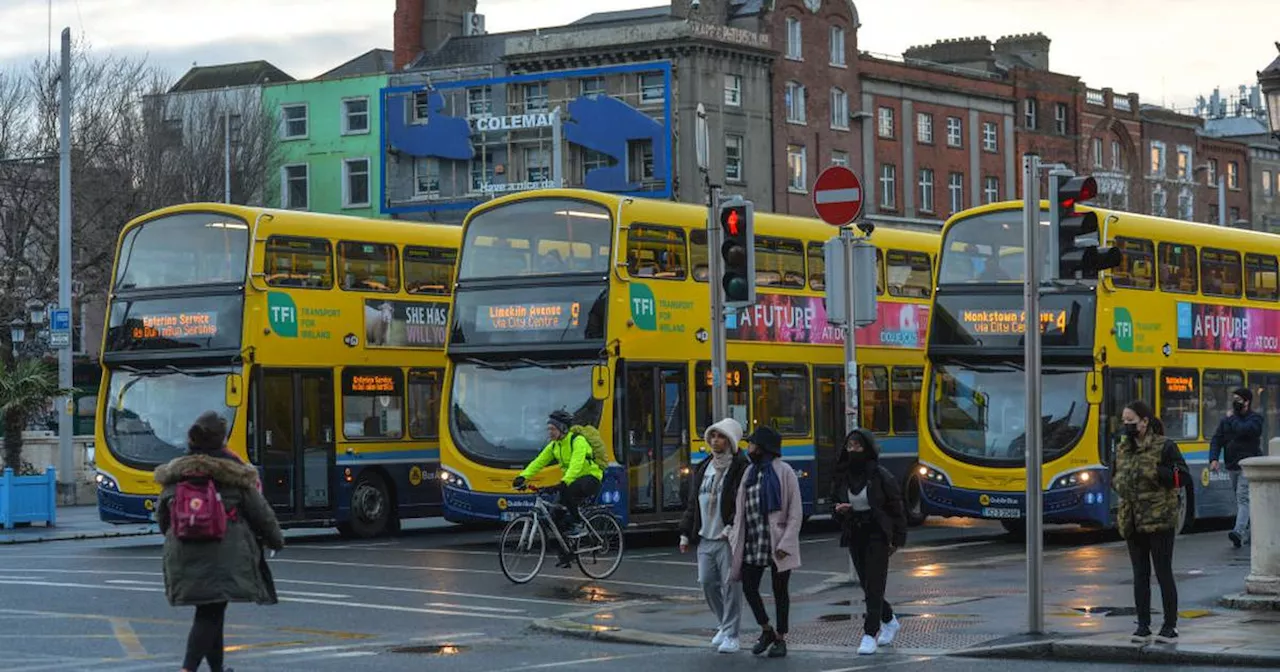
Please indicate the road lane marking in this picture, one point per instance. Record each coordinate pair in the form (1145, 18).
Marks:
(299, 593)
(876, 666)
(448, 605)
(449, 638)
(946, 547)
(570, 663)
(128, 638)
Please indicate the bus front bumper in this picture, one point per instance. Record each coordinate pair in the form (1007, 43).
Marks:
(119, 508)
(1081, 504)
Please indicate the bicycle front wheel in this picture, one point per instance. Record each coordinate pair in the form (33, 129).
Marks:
(601, 550)
(523, 549)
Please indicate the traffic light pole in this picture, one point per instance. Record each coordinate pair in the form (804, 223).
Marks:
(715, 266)
(1034, 510)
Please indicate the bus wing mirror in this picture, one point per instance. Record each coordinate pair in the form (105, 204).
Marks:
(600, 382)
(1093, 388)
(235, 390)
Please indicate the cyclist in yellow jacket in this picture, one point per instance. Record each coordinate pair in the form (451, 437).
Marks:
(582, 475)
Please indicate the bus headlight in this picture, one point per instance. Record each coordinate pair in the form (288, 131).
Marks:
(106, 482)
(450, 479)
(1073, 479)
(931, 475)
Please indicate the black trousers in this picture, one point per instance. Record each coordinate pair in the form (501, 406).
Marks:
(580, 490)
(1146, 549)
(752, 575)
(869, 551)
(205, 641)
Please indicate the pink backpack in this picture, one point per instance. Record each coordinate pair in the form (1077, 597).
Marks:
(197, 511)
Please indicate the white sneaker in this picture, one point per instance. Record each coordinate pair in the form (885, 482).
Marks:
(718, 639)
(868, 646)
(888, 631)
(730, 645)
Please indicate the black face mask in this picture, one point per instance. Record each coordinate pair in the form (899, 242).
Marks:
(1238, 406)
(1131, 430)
(857, 460)
(756, 457)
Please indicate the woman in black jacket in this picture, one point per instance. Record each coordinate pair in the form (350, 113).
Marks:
(873, 522)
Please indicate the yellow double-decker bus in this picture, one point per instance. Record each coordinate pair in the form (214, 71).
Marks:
(1190, 315)
(319, 338)
(598, 304)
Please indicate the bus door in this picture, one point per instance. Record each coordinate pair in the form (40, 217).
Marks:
(1122, 387)
(828, 431)
(295, 437)
(657, 439)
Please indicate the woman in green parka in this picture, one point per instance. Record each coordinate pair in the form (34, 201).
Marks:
(1147, 473)
(209, 574)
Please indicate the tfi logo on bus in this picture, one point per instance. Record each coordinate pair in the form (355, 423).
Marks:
(644, 307)
(1124, 330)
(282, 313)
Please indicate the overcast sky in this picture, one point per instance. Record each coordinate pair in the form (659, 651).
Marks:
(1167, 50)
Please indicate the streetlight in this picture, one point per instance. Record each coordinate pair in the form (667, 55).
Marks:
(1222, 191)
(1269, 82)
(17, 334)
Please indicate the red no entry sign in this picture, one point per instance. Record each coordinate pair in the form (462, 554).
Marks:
(837, 196)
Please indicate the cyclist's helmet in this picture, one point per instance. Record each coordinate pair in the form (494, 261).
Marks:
(560, 420)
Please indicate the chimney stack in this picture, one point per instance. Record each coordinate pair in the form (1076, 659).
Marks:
(407, 32)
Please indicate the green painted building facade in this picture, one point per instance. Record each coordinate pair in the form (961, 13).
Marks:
(328, 157)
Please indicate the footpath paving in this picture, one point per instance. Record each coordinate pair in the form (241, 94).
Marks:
(73, 522)
(977, 607)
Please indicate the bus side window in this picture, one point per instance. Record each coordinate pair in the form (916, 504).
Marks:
(1260, 277)
(429, 270)
(1217, 387)
(1137, 264)
(875, 399)
(736, 380)
(1220, 272)
(656, 252)
(424, 403)
(909, 274)
(879, 271)
(781, 394)
(817, 267)
(1266, 400)
(905, 391)
(779, 262)
(698, 255)
(1180, 403)
(372, 403)
(1178, 268)
(369, 267)
(298, 262)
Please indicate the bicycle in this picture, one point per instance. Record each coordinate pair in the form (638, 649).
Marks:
(526, 534)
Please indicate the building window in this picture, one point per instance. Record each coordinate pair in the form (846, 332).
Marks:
(1097, 152)
(592, 86)
(990, 189)
(839, 157)
(653, 87)
(924, 127)
(537, 164)
(926, 190)
(482, 173)
(294, 121)
(639, 160)
(1235, 216)
(535, 97)
(355, 116)
(955, 132)
(794, 49)
(888, 186)
(733, 90)
(839, 109)
(355, 183)
(1233, 175)
(1157, 159)
(990, 141)
(1158, 201)
(1029, 113)
(955, 191)
(797, 168)
(1213, 213)
(1117, 159)
(1060, 118)
(885, 125)
(1184, 163)
(1211, 177)
(837, 46)
(1186, 209)
(733, 158)
(420, 107)
(478, 102)
(795, 103)
(1267, 188)
(296, 188)
(426, 176)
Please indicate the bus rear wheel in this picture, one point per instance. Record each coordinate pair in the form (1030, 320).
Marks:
(1186, 511)
(370, 508)
(914, 501)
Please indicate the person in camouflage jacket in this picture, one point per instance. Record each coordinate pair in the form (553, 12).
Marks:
(1147, 472)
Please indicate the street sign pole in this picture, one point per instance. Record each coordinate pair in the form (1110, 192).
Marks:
(715, 267)
(1034, 520)
(850, 337)
(66, 461)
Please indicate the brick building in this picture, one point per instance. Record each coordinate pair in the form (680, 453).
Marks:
(1170, 180)
(1111, 128)
(1231, 160)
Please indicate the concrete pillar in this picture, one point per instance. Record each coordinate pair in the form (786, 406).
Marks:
(1264, 500)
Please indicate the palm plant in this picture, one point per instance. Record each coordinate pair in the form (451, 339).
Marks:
(25, 388)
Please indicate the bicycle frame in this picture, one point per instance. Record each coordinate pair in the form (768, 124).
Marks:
(541, 515)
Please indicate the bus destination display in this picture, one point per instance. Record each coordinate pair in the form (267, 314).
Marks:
(1011, 321)
(371, 383)
(536, 316)
(999, 320)
(195, 324)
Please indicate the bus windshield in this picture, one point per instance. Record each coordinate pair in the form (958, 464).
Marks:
(541, 236)
(149, 413)
(985, 248)
(978, 413)
(498, 414)
(194, 248)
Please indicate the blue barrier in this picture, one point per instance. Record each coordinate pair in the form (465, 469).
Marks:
(28, 499)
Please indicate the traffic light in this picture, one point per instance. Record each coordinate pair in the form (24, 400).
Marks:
(738, 251)
(1081, 254)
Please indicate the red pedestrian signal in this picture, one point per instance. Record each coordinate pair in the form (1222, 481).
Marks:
(737, 252)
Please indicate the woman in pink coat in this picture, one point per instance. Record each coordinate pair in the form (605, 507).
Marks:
(766, 535)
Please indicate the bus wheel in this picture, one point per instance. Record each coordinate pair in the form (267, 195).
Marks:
(1016, 528)
(914, 501)
(370, 507)
(1186, 511)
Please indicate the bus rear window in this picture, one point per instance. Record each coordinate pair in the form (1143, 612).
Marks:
(544, 236)
(197, 248)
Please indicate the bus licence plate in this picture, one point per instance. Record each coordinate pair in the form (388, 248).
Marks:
(1001, 513)
(509, 515)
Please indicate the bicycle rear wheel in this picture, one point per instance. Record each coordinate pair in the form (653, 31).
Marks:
(601, 550)
(523, 545)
